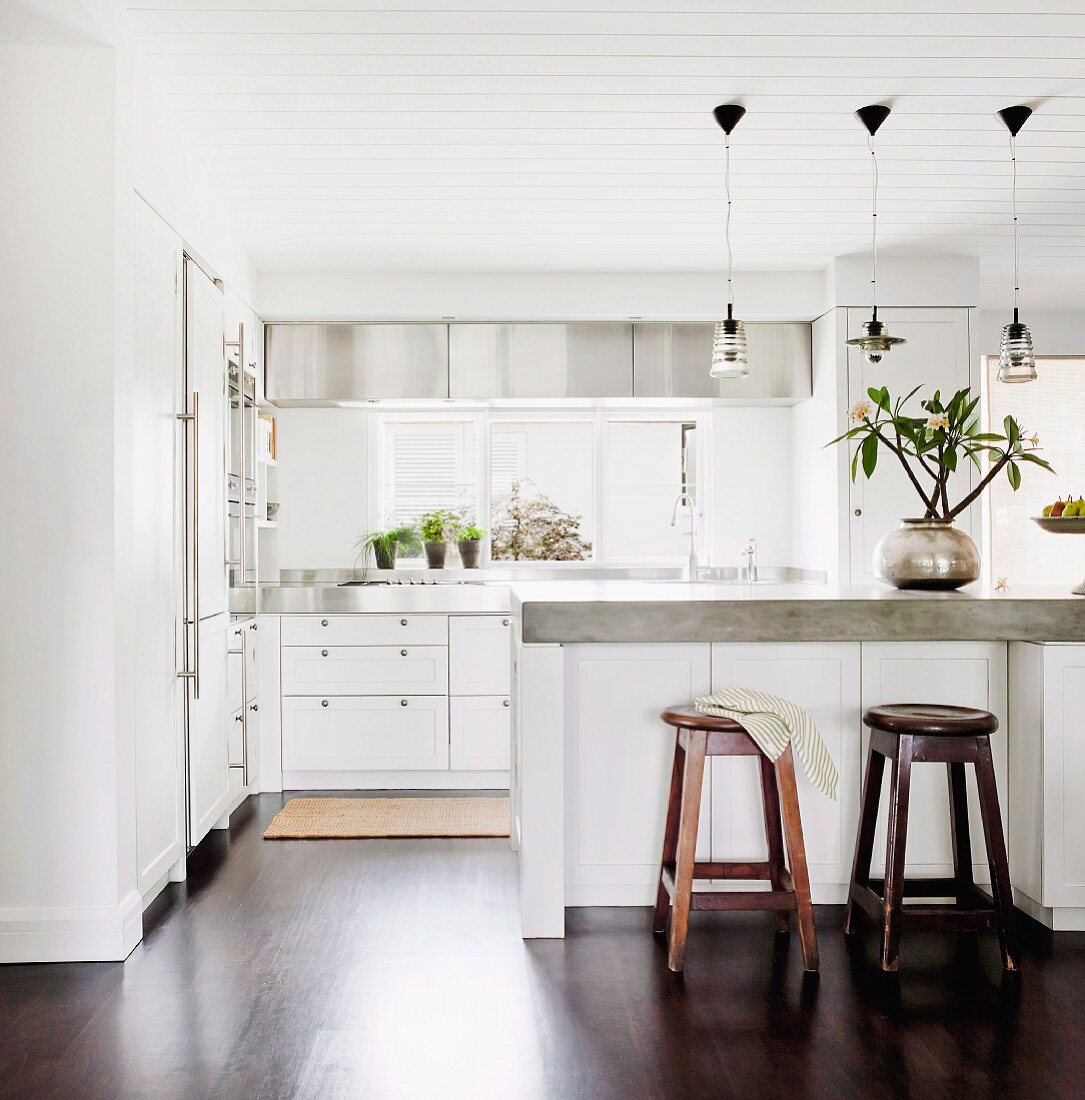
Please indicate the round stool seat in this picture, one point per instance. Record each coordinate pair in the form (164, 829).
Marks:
(930, 719)
(689, 718)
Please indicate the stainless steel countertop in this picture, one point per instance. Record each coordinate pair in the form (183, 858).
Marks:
(625, 611)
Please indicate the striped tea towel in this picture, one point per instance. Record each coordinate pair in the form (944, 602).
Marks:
(772, 722)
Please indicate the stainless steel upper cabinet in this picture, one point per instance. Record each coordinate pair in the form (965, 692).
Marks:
(541, 360)
(344, 362)
(672, 360)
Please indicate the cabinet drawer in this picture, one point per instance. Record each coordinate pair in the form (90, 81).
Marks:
(325, 630)
(365, 670)
(479, 654)
(357, 734)
(478, 733)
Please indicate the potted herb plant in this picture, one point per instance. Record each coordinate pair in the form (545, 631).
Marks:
(469, 539)
(385, 545)
(928, 551)
(435, 528)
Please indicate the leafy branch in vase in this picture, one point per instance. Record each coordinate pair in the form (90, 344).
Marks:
(930, 447)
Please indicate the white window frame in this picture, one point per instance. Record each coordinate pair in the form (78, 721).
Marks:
(483, 422)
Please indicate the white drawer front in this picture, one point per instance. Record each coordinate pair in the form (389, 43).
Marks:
(478, 734)
(365, 670)
(479, 654)
(376, 734)
(324, 630)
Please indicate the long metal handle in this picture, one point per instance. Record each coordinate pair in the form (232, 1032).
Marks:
(193, 619)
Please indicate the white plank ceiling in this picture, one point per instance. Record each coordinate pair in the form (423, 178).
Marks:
(543, 134)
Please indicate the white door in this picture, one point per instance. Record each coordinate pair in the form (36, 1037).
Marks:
(478, 733)
(824, 679)
(157, 561)
(478, 654)
(208, 732)
(205, 370)
(967, 674)
(936, 357)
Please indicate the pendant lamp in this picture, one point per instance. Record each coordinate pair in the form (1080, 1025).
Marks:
(729, 340)
(875, 340)
(1016, 361)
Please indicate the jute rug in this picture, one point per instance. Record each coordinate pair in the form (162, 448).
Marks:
(342, 818)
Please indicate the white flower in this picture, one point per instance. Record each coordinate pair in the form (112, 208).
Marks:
(1033, 440)
(938, 420)
(860, 411)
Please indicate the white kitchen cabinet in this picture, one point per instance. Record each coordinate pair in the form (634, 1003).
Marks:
(478, 733)
(364, 734)
(236, 728)
(968, 674)
(235, 676)
(478, 654)
(208, 734)
(618, 757)
(936, 356)
(1047, 775)
(364, 630)
(365, 670)
(824, 679)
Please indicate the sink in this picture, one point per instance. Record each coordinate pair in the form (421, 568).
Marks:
(765, 575)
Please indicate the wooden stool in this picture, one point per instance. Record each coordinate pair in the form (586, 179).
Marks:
(701, 735)
(955, 736)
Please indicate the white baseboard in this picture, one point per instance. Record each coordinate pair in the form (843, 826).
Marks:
(71, 935)
(395, 781)
(1063, 919)
(583, 895)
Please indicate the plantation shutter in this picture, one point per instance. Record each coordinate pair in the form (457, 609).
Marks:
(427, 466)
(508, 462)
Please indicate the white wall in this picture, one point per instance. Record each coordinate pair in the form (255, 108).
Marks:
(1054, 332)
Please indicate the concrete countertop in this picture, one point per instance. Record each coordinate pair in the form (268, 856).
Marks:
(647, 611)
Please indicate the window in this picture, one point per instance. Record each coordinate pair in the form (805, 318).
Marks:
(1051, 406)
(427, 465)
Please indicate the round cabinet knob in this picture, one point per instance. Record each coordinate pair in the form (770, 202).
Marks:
(323, 622)
(858, 511)
(323, 653)
(403, 702)
(505, 702)
(323, 702)
(504, 622)
(403, 653)
(402, 622)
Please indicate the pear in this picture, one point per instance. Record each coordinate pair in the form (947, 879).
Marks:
(1072, 509)
(1058, 507)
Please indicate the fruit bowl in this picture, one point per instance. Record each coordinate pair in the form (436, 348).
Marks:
(1064, 525)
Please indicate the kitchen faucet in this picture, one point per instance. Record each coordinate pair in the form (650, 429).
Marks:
(685, 499)
(749, 567)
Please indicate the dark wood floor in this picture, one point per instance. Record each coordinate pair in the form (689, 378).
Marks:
(394, 969)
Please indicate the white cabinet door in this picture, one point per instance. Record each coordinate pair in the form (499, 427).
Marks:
(967, 674)
(237, 738)
(478, 654)
(205, 368)
(365, 670)
(158, 700)
(618, 757)
(365, 734)
(478, 733)
(824, 679)
(936, 356)
(208, 734)
(249, 640)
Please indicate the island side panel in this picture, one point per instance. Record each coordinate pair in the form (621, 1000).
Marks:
(539, 779)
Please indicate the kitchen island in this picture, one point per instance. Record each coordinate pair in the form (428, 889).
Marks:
(595, 662)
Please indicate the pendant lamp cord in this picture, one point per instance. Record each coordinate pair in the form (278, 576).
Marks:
(874, 228)
(727, 228)
(1016, 236)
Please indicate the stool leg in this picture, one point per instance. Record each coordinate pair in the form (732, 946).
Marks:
(796, 850)
(770, 797)
(670, 836)
(868, 820)
(962, 841)
(900, 791)
(1001, 891)
(692, 778)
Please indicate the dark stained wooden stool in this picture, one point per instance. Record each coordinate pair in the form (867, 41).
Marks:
(699, 736)
(910, 732)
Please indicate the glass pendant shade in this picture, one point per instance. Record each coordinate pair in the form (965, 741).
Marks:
(875, 341)
(729, 350)
(1016, 361)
